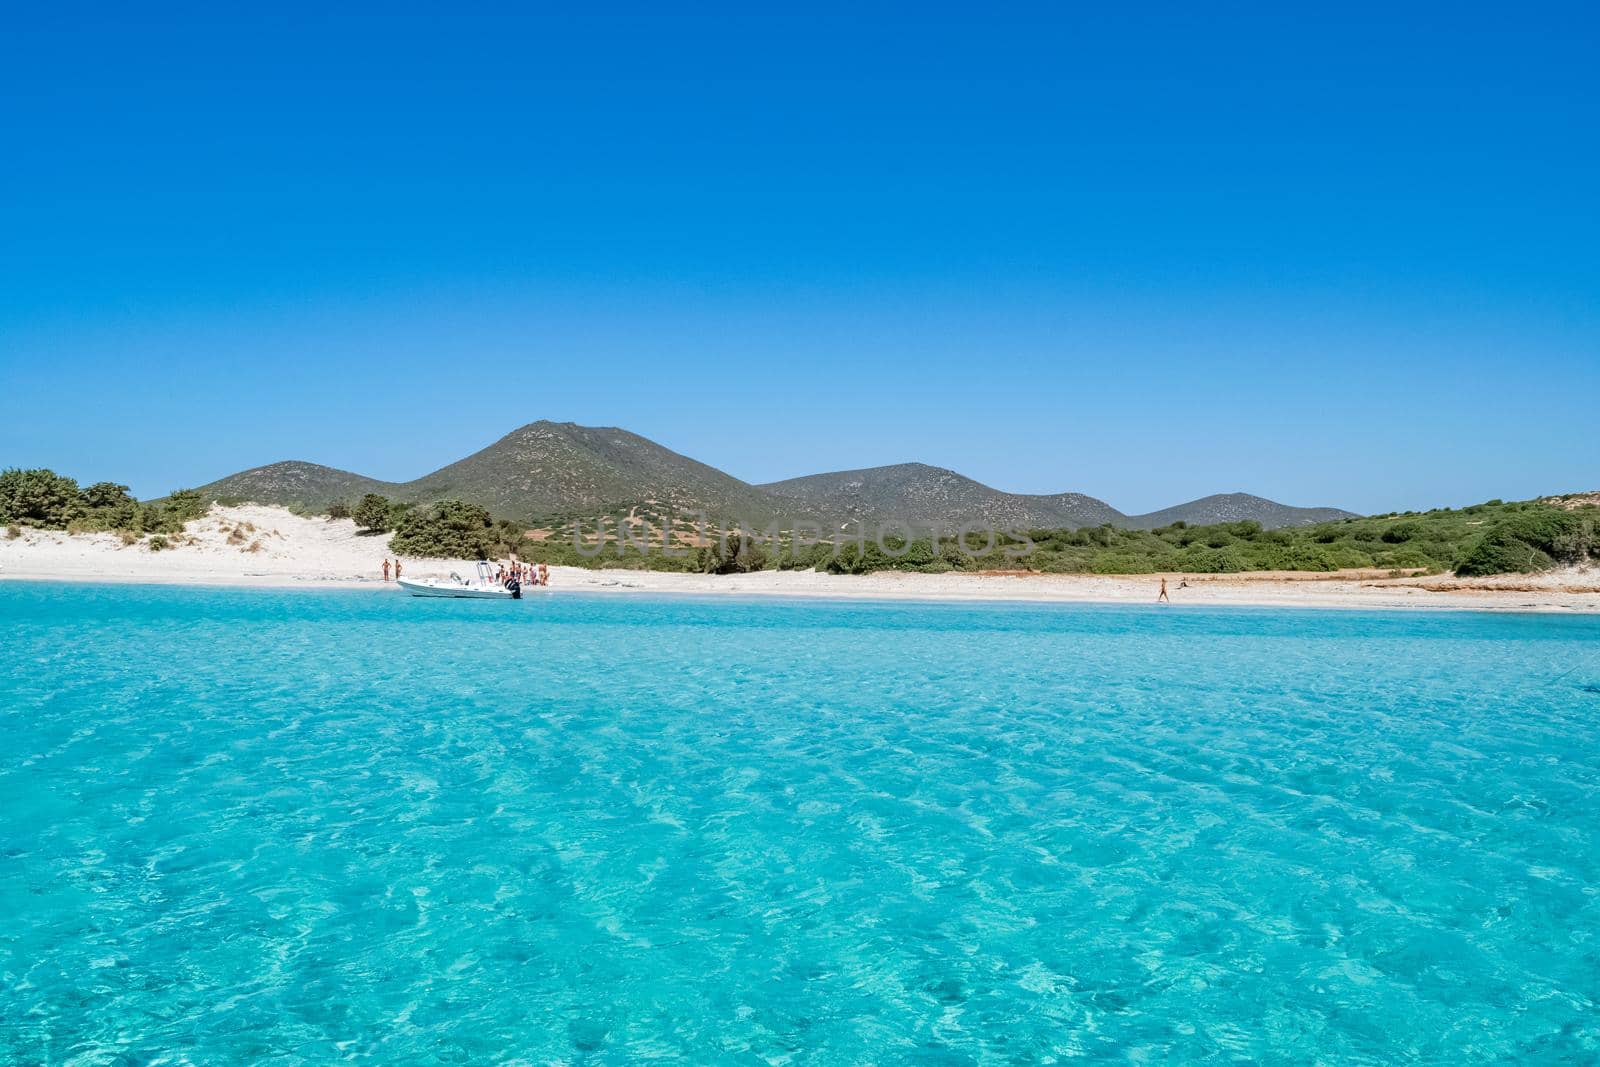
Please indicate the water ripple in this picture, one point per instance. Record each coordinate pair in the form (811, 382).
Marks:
(284, 828)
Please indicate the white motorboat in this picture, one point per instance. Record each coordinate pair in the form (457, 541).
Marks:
(482, 587)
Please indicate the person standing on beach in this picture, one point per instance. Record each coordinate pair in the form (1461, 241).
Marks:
(1163, 594)
(397, 568)
(386, 568)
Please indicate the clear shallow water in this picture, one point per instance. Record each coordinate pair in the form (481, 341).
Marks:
(255, 827)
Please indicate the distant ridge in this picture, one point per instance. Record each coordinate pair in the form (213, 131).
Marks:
(920, 494)
(294, 481)
(553, 469)
(1236, 507)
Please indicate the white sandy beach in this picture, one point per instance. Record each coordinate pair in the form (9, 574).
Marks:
(268, 546)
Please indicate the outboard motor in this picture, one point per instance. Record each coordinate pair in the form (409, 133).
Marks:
(515, 586)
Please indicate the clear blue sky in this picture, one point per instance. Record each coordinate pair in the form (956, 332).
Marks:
(1347, 258)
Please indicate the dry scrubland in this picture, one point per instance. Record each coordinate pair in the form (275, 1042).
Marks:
(270, 546)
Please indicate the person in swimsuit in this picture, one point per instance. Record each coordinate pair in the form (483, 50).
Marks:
(1163, 594)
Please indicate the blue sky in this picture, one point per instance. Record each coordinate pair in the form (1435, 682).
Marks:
(1344, 258)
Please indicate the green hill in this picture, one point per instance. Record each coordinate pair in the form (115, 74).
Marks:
(294, 482)
(922, 495)
(1237, 507)
(551, 468)
(548, 471)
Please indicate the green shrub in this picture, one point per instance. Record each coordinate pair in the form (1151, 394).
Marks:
(1529, 539)
(1401, 532)
(1212, 561)
(338, 510)
(737, 554)
(1303, 558)
(1124, 563)
(1498, 552)
(150, 519)
(1544, 528)
(1578, 544)
(1343, 556)
(123, 516)
(183, 505)
(374, 514)
(862, 557)
(106, 495)
(39, 497)
(450, 529)
(1407, 557)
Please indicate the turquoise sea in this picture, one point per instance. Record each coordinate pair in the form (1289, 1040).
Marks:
(247, 827)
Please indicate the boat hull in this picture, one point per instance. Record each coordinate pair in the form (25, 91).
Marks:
(453, 591)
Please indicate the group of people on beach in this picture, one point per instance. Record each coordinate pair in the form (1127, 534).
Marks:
(504, 573)
(523, 573)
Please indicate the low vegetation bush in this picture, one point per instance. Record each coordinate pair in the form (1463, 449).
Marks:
(450, 529)
(374, 514)
(1531, 540)
(736, 554)
(1486, 538)
(1126, 563)
(49, 501)
(107, 495)
(40, 498)
(1401, 532)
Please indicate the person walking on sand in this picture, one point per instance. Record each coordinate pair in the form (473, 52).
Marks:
(1163, 594)
(386, 568)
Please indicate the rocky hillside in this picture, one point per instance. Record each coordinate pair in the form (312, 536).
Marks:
(924, 495)
(1234, 507)
(293, 481)
(551, 468)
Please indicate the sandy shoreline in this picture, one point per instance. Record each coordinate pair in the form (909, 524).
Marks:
(264, 547)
